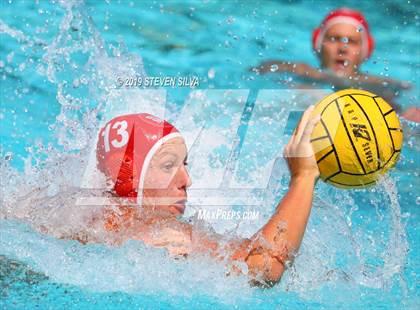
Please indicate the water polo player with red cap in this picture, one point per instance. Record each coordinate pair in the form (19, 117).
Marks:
(144, 159)
(342, 42)
(141, 155)
(126, 147)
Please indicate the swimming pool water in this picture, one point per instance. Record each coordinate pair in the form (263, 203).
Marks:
(57, 65)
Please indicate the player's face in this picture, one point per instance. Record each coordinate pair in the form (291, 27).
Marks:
(341, 49)
(167, 178)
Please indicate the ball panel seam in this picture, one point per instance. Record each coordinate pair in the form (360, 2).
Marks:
(349, 137)
(373, 130)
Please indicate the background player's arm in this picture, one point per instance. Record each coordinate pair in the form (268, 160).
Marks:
(385, 87)
(304, 70)
(278, 66)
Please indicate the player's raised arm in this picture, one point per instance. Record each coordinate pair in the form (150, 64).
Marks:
(267, 252)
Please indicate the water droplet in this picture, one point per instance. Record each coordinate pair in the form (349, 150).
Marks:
(230, 20)
(84, 80)
(211, 73)
(274, 68)
(10, 56)
(76, 83)
(8, 156)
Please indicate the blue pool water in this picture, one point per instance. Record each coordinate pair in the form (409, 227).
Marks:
(58, 66)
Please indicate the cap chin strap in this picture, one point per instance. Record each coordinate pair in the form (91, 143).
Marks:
(147, 160)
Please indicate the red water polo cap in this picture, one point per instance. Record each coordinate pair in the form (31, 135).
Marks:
(345, 16)
(126, 145)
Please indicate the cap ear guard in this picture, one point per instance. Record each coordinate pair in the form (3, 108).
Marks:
(371, 46)
(315, 36)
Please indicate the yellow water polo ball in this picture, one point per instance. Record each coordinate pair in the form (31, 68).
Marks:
(358, 138)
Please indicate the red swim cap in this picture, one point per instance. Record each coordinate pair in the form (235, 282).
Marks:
(344, 16)
(126, 145)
